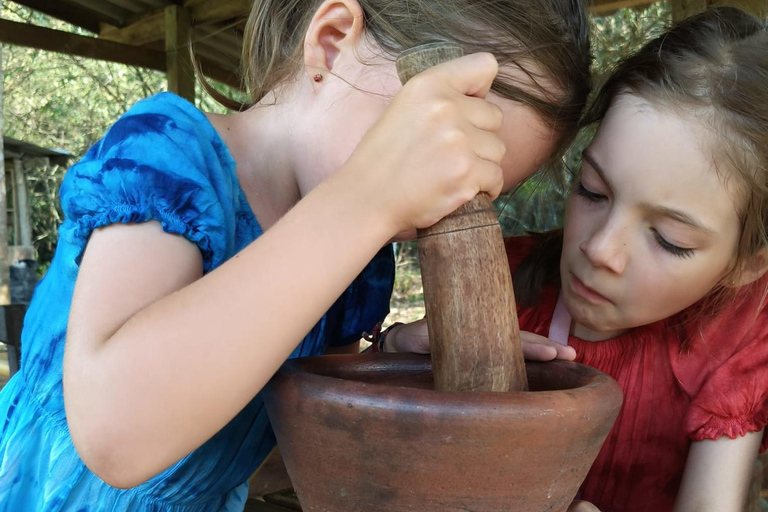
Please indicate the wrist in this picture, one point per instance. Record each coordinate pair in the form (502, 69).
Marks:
(370, 195)
(379, 338)
(389, 342)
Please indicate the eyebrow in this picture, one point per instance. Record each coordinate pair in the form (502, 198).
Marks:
(678, 215)
(586, 155)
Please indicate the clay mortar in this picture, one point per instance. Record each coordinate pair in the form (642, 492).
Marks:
(369, 433)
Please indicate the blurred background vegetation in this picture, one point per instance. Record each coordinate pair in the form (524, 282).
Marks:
(65, 102)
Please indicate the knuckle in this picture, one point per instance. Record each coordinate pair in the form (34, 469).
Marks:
(462, 166)
(418, 83)
(440, 110)
(453, 137)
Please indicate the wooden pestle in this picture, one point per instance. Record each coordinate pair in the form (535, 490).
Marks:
(471, 316)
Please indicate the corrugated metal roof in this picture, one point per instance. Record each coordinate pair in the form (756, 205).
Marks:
(14, 148)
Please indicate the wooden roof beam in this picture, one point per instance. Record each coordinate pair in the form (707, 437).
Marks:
(213, 11)
(31, 36)
(24, 34)
(145, 29)
(66, 12)
(150, 27)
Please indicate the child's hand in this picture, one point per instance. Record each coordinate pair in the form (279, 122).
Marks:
(414, 338)
(582, 506)
(434, 148)
(540, 348)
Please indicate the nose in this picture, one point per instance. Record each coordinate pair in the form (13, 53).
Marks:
(606, 247)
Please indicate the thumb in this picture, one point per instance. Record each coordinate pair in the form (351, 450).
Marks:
(471, 75)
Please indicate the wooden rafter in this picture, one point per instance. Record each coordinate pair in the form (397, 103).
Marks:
(24, 34)
(66, 12)
(150, 27)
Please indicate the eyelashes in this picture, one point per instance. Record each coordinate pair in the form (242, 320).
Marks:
(673, 249)
(661, 242)
(592, 197)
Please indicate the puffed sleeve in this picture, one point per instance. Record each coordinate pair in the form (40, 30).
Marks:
(161, 161)
(732, 397)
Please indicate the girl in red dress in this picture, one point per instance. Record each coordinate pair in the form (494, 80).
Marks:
(658, 277)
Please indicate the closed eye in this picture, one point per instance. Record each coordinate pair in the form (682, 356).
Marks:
(680, 252)
(592, 197)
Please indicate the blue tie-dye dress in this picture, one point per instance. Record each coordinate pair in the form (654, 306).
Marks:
(164, 161)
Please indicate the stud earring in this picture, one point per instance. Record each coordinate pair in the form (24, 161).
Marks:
(317, 77)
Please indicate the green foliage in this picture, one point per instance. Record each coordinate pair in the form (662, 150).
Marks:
(66, 102)
(538, 204)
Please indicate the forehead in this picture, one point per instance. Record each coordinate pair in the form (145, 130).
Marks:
(663, 158)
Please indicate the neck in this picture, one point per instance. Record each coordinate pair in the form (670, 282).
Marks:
(260, 142)
(587, 334)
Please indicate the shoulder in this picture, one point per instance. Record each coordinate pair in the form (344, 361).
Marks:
(162, 123)
(724, 368)
(161, 140)
(738, 326)
(162, 160)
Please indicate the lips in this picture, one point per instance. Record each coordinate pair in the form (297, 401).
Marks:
(585, 292)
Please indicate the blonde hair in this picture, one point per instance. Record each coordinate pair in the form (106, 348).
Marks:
(552, 34)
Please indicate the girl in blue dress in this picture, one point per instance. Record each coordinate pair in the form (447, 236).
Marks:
(198, 252)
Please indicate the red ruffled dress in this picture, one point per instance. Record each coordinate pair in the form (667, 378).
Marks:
(681, 383)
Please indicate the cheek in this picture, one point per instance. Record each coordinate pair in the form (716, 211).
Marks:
(576, 225)
(662, 285)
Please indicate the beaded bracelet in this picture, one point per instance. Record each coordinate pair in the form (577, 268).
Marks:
(377, 337)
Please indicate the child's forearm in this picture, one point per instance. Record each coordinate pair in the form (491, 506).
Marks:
(181, 368)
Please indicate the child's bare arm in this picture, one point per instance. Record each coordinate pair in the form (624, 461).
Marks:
(717, 474)
(159, 359)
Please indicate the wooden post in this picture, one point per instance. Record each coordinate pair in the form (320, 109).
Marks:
(178, 37)
(5, 273)
(473, 330)
(11, 209)
(23, 235)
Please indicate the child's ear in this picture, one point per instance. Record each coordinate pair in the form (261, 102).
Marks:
(337, 26)
(752, 269)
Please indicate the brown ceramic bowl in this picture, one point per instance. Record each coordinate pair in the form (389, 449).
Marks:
(367, 433)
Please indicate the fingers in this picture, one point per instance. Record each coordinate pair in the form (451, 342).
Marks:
(582, 506)
(412, 338)
(487, 145)
(489, 178)
(540, 348)
(538, 352)
(481, 113)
